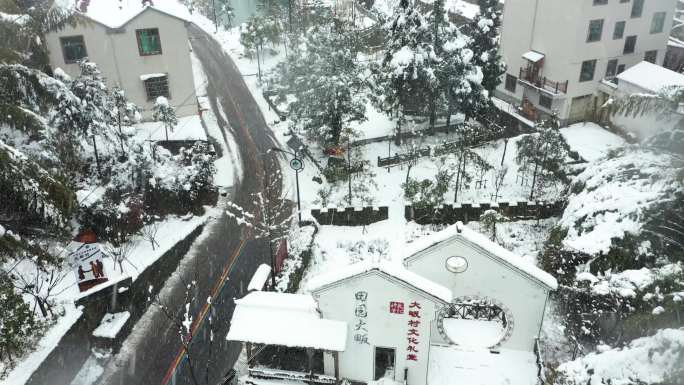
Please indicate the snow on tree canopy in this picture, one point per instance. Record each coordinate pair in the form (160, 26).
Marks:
(655, 359)
(611, 197)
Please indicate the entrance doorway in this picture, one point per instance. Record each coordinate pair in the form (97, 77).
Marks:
(384, 363)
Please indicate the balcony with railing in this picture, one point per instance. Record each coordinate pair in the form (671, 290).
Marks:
(530, 76)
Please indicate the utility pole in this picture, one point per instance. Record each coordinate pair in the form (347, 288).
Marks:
(349, 170)
(297, 165)
(213, 5)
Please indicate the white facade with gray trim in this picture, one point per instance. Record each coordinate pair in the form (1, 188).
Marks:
(117, 55)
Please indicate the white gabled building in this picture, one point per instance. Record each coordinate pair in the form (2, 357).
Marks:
(559, 51)
(142, 48)
(459, 309)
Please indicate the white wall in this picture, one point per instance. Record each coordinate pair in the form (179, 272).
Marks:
(385, 329)
(485, 277)
(116, 54)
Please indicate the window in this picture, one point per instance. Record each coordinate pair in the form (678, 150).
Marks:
(624, 1)
(587, 71)
(630, 43)
(148, 41)
(456, 264)
(157, 86)
(651, 56)
(73, 48)
(595, 30)
(611, 68)
(545, 101)
(511, 82)
(658, 22)
(600, 2)
(637, 8)
(621, 69)
(619, 30)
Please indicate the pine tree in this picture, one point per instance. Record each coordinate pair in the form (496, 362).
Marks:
(406, 79)
(323, 75)
(97, 106)
(461, 78)
(484, 31)
(164, 113)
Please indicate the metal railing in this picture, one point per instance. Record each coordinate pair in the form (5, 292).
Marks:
(542, 82)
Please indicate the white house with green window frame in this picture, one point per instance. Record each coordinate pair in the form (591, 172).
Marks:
(142, 48)
(560, 54)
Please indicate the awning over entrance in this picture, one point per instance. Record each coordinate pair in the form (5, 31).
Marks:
(533, 56)
(286, 320)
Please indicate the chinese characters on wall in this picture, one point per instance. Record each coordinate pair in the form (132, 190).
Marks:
(361, 314)
(396, 307)
(413, 335)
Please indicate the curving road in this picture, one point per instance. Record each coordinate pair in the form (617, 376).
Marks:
(224, 257)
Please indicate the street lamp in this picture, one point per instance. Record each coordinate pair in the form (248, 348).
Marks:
(297, 165)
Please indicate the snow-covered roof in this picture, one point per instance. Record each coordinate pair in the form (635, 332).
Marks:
(144, 77)
(533, 56)
(388, 268)
(285, 319)
(111, 324)
(651, 77)
(259, 278)
(502, 255)
(117, 13)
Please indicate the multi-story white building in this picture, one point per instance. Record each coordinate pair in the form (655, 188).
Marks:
(558, 52)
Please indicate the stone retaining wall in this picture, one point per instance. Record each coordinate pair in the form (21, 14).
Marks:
(350, 216)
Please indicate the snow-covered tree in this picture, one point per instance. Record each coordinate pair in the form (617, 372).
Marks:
(484, 32)
(324, 77)
(428, 194)
(16, 320)
(97, 106)
(546, 151)
(665, 104)
(24, 28)
(259, 31)
(126, 112)
(489, 219)
(166, 114)
(406, 79)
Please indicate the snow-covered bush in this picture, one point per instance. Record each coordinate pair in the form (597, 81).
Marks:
(16, 320)
(657, 359)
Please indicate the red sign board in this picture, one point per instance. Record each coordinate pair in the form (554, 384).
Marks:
(396, 307)
(281, 255)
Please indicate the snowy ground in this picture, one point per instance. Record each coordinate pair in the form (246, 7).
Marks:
(590, 140)
(188, 128)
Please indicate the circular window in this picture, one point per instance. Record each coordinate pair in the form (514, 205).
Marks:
(475, 322)
(456, 264)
